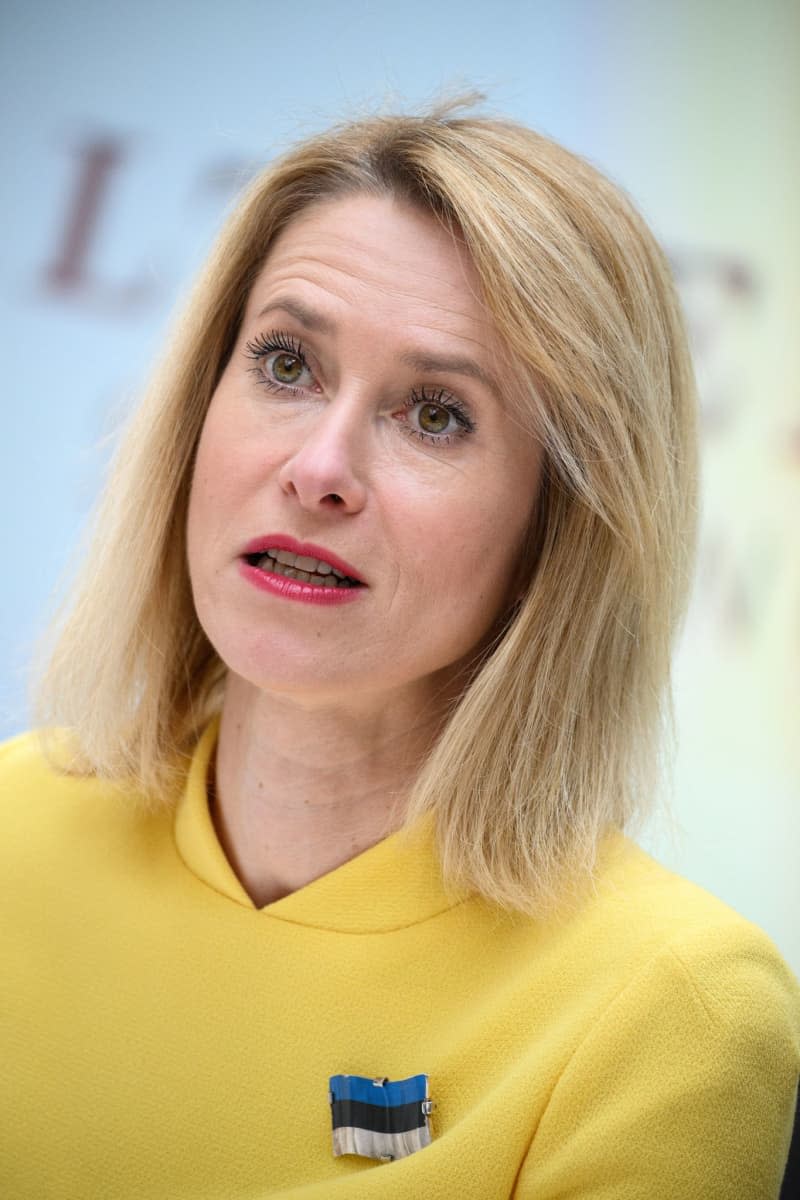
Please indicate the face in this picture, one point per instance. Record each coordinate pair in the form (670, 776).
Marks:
(361, 433)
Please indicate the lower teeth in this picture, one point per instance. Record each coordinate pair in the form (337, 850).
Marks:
(275, 568)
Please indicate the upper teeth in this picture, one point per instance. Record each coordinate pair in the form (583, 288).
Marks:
(302, 562)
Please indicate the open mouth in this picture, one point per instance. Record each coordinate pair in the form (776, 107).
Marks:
(313, 571)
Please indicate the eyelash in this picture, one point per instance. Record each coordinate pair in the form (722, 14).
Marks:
(277, 341)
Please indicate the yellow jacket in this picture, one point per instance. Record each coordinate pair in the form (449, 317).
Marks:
(163, 1039)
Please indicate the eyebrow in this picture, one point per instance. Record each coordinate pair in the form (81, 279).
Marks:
(426, 364)
(434, 364)
(306, 316)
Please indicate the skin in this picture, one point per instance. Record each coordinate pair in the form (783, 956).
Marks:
(329, 711)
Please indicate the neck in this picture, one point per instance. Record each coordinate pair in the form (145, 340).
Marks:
(301, 788)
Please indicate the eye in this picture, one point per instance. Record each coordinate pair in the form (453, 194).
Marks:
(437, 417)
(280, 362)
(433, 418)
(287, 368)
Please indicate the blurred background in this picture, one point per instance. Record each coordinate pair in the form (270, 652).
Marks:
(127, 130)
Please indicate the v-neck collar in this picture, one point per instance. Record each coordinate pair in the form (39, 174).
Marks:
(394, 884)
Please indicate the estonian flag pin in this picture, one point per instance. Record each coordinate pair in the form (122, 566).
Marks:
(376, 1118)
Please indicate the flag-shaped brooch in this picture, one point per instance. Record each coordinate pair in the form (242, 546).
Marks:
(376, 1118)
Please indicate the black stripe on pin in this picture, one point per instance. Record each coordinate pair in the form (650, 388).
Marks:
(399, 1118)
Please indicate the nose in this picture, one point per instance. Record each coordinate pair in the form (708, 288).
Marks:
(325, 469)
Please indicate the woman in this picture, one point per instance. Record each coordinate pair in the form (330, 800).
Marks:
(324, 891)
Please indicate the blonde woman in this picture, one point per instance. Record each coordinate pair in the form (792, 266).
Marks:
(322, 890)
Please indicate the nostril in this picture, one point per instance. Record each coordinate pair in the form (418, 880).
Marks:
(334, 498)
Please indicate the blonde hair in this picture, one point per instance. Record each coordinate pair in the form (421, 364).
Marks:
(557, 735)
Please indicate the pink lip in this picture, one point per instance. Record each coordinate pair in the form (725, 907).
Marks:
(281, 541)
(295, 589)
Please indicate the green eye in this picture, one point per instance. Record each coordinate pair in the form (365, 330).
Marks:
(287, 368)
(280, 362)
(433, 418)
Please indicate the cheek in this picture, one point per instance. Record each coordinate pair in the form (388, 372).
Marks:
(216, 483)
(203, 496)
(500, 527)
(219, 451)
(229, 459)
(467, 546)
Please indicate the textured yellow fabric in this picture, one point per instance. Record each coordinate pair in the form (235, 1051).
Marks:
(163, 1039)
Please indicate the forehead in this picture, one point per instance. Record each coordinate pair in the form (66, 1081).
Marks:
(390, 261)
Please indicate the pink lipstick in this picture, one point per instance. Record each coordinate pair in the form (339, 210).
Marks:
(300, 571)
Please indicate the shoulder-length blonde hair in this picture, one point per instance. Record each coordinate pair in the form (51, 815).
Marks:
(556, 737)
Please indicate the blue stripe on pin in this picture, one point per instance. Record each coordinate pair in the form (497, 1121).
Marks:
(379, 1091)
